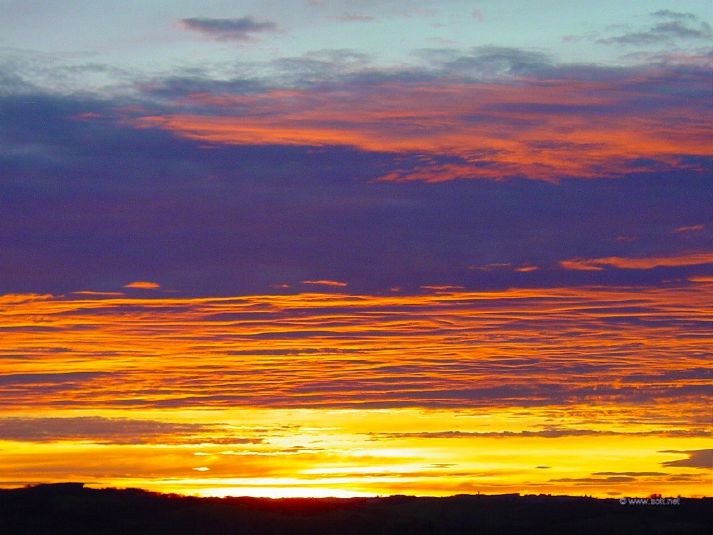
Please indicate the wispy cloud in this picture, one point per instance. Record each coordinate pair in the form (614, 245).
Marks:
(547, 432)
(240, 29)
(598, 264)
(670, 27)
(366, 156)
(373, 350)
(354, 17)
(689, 228)
(325, 282)
(532, 117)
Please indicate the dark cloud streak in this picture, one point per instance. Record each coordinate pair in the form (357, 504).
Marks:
(241, 29)
(695, 459)
(674, 27)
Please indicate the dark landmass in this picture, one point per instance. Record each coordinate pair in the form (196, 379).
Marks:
(69, 508)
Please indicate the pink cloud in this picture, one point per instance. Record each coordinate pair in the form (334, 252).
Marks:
(538, 129)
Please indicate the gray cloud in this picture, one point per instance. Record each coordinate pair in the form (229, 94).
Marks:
(96, 429)
(676, 15)
(485, 62)
(11, 82)
(695, 459)
(672, 26)
(630, 474)
(48, 378)
(595, 480)
(549, 432)
(240, 29)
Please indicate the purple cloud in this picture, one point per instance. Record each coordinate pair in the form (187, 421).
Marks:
(240, 29)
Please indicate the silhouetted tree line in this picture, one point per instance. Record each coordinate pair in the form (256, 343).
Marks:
(69, 508)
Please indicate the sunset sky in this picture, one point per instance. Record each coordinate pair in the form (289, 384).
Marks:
(366, 247)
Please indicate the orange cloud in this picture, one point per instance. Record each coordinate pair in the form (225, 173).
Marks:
(143, 285)
(429, 349)
(701, 279)
(598, 264)
(538, 129)
(456, 391)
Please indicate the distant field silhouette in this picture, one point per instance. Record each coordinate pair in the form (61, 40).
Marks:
(69, 508)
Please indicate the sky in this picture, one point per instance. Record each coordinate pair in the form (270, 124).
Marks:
(332, 248)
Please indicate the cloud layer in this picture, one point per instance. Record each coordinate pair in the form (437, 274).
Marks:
(489, 169)
(445, 349)
(507, 114)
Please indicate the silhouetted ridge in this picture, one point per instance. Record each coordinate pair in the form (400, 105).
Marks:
(69, 508)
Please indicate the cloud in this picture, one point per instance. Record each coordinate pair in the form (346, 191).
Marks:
(595, 480)
(305, 169)
(143, 285)
(97, 294)
(354, 17)
(675, 15)
(190, 242)
(549, 432)
(59, 379)
(97, 429)
(527, 268)
(492, 266)
(438, 288)
(240, 29)
(631, 474)
(701, 279)
(598, 264)
(494, 113)
(689, 228)
(695, 459)
(674, 27)
(324, 282)
(356, 350)
(492, 62)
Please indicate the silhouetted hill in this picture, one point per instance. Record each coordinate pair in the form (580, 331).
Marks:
(69, 508)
